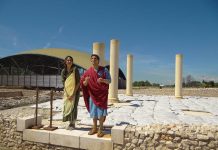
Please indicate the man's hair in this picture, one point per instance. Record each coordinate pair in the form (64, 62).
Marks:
(96, 56)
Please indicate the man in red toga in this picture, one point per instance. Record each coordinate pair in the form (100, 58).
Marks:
(95, 84)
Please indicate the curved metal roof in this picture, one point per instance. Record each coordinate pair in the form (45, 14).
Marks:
(80, 58)
(49, 58)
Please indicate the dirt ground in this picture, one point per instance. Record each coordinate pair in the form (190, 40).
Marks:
(205, 92)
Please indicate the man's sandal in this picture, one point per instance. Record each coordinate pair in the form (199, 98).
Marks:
(100, 133)
(92, 131)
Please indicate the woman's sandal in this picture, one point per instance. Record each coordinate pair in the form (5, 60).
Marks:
(71, 126)
(92, 131)
(100, 133)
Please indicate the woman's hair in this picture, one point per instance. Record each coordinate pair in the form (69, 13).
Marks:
(96, 56)
(65, 60)
(65, 66)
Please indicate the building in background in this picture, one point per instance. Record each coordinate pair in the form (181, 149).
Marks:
(42, 68)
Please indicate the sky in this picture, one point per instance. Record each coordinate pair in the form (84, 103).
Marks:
(153, 31)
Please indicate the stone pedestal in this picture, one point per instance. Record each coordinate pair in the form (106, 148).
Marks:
(129, 73)
(178, 76)
(117, 134)
(27, 122)
(114, 71)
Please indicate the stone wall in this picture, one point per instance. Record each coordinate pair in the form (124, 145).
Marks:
(10, 139)
(150, 137)
(159, 137)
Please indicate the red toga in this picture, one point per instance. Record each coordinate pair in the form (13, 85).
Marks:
(97, 91)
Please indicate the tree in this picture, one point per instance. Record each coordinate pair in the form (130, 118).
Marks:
(147, 83)
(211, 83)
(189, 79)
(208, 84)
(135, 83)
(155, 84)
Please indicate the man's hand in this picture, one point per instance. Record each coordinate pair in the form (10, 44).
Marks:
(100, 80)
(86, 81)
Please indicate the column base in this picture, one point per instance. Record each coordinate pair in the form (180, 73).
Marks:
(178, 97)
(129, 94)
(113, 100)
(110, 103)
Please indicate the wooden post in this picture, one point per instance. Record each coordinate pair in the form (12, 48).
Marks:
(50, 127)
(36, 126)
(51, 106)
(37, 99)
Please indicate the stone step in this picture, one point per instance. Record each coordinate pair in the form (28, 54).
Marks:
(74, 139)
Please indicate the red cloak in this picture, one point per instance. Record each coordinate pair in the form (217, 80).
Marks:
(97, 91)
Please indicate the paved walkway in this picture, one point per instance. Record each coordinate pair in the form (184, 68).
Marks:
(143, 110)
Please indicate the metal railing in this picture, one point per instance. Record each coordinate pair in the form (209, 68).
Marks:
(31, 80)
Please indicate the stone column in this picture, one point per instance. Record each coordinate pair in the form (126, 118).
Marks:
(98, 48)
(129, 72)
(178, 76)
(114, 71)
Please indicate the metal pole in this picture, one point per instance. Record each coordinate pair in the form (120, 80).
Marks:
(51, 106)
(37, 98)
(36, 111)
(50, 127)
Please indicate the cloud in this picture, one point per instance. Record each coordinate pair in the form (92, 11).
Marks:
(9, 38)
(139, 60)
(60, 29)
(10, 41)
(74, 46)
(47, 45)
(54, 37)
(149, 67)
(146, 59)
(207, 78)
(153, 69)
(15, 41)
(160, 71)
(6, 34)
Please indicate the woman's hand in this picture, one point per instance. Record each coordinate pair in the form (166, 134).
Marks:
(71, 98)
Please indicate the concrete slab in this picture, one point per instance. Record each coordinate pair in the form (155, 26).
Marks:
(117, 134)
(66, 138)
(92, 142)
(41, 136)
(27, 122)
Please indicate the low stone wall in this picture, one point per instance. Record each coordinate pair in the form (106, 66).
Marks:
(12, 102)
(11, 94)
(10, 139)
(159, 137)
(29, 97)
